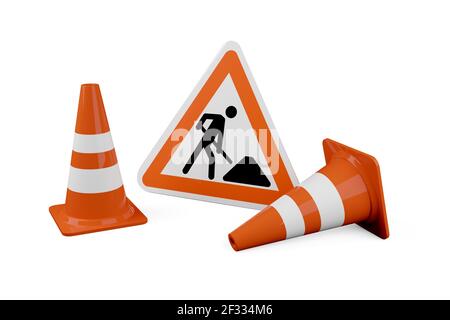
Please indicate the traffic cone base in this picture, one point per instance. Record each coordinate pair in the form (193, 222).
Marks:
(346, 190)
(370, 171)
(70, 226)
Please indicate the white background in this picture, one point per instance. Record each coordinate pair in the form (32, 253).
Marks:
(372, 74)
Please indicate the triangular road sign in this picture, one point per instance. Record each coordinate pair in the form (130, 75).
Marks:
(222, 145)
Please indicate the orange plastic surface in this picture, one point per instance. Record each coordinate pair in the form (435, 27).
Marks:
(369, 169)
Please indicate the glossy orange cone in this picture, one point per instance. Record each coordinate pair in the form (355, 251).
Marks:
(95, 199)
(347, 190)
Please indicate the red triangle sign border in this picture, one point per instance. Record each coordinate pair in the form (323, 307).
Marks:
(229, 61)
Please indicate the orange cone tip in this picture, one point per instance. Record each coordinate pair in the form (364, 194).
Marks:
(95, 199)
(347, 190)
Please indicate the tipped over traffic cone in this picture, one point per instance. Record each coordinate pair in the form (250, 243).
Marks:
(347, 190)
(95, 199)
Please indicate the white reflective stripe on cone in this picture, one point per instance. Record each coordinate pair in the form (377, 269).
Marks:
(291, 216)
(93, 143)
(327, 199)
(94, 180)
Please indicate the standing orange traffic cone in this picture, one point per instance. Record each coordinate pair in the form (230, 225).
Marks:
(347, 190)
(96, 199)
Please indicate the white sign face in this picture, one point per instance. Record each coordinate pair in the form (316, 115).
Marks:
(239, 141)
